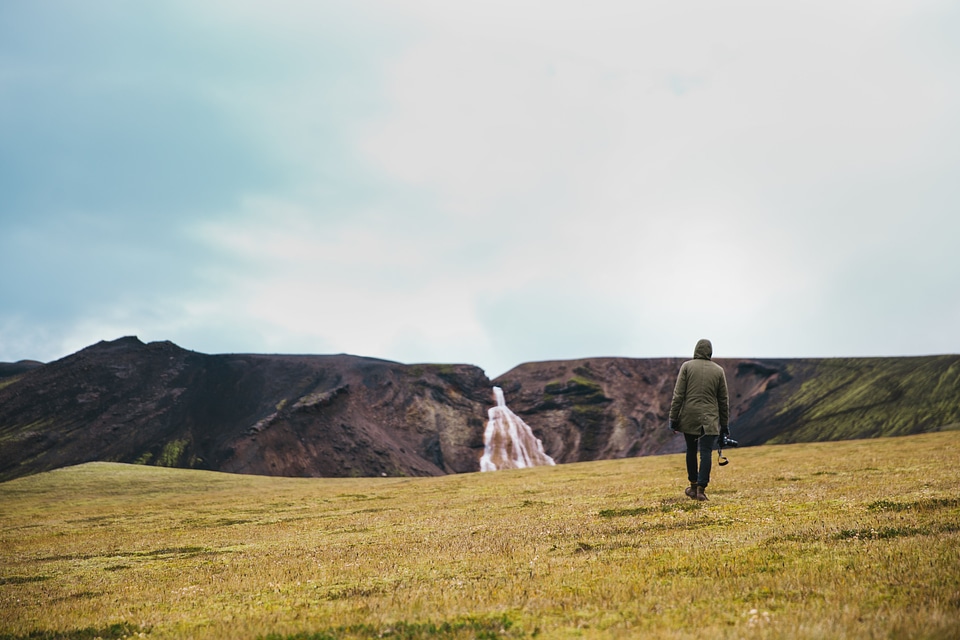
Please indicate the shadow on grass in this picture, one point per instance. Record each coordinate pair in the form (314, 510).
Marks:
(168, 553)
(468, 627)
(883, 533)
(927, 504)
(879, 532)
(23, 579)
(666, 506)
(113, 632)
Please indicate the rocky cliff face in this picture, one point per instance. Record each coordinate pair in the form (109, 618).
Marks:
(341, 415)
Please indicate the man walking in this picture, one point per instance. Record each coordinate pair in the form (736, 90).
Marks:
(700, 410)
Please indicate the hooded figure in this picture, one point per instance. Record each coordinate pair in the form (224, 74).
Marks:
(700, 410)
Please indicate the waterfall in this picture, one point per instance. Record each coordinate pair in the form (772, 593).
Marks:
(508, 443)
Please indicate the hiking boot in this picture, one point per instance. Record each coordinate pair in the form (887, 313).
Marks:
(700, 494)
(691, 491)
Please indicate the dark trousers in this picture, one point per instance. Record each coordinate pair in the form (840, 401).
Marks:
(705, 444)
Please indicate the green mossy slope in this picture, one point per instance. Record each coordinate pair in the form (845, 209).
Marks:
(850, 398)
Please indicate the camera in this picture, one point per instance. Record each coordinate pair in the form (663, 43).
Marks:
(722, 442)
(726, 441)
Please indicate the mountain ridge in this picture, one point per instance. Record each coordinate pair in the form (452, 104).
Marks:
(342, 415)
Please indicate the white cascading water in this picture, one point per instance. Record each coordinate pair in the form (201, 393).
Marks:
(508, 443)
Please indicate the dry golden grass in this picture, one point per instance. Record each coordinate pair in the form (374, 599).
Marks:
(843, 540)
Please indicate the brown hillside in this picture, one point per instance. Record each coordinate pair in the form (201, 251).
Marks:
(156, 403)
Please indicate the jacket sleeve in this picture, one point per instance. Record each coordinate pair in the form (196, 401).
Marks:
(723, 400)
(679, 394)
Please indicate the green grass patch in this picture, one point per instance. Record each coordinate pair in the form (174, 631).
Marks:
(579, 387)
(881, 533)
(172, 452)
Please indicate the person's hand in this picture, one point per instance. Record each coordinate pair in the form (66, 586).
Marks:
(674, 426)
(725, 432)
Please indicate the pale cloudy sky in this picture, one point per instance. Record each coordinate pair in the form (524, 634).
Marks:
(482, 182)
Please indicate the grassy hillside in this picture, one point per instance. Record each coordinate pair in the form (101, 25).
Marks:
(846, 398)
(855, 539)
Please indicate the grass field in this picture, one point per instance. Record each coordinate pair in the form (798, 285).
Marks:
(857, 539)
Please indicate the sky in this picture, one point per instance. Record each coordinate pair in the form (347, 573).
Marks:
(481, 182)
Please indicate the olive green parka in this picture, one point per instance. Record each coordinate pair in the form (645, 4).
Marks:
(700, 399)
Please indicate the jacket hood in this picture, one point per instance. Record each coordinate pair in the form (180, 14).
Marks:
(704, 350)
